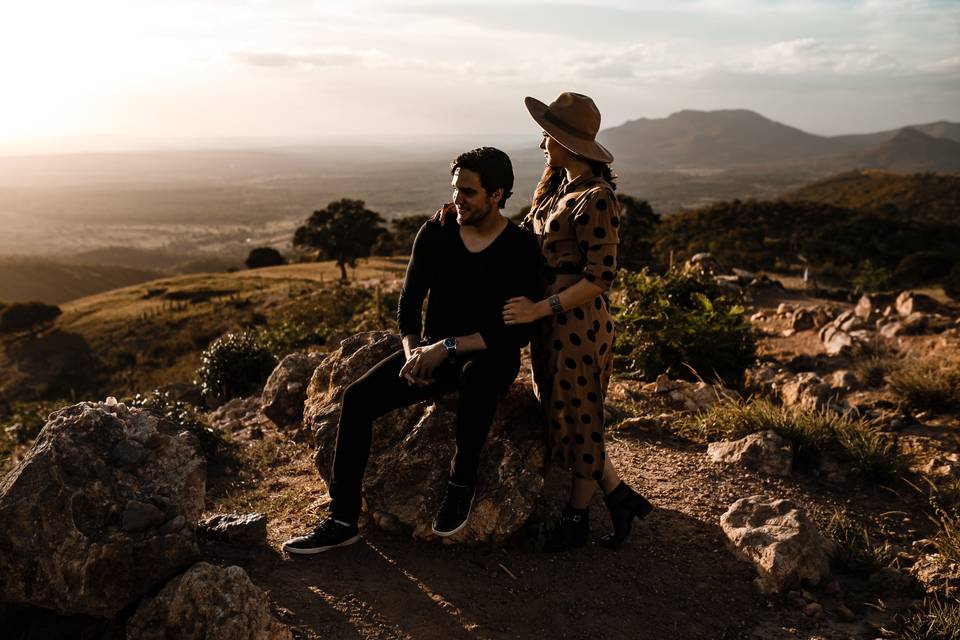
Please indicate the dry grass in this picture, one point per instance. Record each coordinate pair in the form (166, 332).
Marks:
(924, 384)
(812, 433)
(934, 619)
(859, 552)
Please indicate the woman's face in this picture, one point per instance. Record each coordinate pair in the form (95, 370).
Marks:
(555, 155)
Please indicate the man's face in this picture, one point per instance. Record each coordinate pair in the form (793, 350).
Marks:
(472, 201)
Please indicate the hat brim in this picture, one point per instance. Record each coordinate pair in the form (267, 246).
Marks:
(590, 149)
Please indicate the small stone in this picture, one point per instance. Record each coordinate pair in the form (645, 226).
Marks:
(845, 614)
(138, 516)
(813, 609)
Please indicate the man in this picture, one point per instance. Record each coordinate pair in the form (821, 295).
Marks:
(470, 266)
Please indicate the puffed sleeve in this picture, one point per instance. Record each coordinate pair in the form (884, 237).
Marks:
(595, 224)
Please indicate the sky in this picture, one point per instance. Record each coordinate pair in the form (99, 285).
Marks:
(385, 70)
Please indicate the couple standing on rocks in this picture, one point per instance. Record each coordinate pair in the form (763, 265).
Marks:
(494, 286)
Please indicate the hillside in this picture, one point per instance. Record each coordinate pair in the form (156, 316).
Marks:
(24, 279)
(922, 196)
(146, 335)
(912, 150)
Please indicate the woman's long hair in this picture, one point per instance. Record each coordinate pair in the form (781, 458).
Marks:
(553, 176)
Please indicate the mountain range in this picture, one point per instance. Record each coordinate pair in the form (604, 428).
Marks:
(727, 139)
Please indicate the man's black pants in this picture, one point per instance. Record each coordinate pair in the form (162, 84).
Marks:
(479, 378)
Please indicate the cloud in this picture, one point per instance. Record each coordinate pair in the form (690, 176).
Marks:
(339, 57)
(809, 55)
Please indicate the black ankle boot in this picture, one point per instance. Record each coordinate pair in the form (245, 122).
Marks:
(571, 531)
(624, 504)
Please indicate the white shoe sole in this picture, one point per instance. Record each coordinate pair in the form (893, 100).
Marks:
(315, 550)
(447, 534)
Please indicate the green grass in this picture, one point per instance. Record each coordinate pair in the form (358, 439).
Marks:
(858, 551)
(812, 433)
(934, 619)
(926, 384)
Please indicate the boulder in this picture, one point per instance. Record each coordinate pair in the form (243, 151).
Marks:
(765, 451)
(891, 329)
(286, 389)
(100, 511)
(779, 540)
(412, 447)
(871, 305)
(803, 320)
(238, 414)
(835, 341)
(214, 603)
(250, 528)
(844, 380)
(909, 302)
(937, 574)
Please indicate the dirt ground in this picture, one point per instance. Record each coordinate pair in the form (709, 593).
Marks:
(674, 578)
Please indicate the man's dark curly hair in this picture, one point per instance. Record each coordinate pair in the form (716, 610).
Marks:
(492, 165)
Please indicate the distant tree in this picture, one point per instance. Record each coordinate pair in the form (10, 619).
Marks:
(638, 224)
(343, 231)
(24, 316)
(264, 257)
(399, 239)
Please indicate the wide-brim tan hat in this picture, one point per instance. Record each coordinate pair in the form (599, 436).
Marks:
(573, 120)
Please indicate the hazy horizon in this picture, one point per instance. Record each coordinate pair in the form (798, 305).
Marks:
(109, 75)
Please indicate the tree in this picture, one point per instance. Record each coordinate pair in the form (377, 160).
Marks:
(21, 316)
(264, 257)
(638, 223)
(399, 240)
(343, 231)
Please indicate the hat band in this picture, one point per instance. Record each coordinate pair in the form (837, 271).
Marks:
(566, 128)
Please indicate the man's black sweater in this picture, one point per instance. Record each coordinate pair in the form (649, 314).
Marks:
(468, 290)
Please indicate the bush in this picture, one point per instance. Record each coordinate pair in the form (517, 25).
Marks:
(234, 365)
(951, 283)
(812, 433)
(185, 416)
(682, 325)
(264, 257)
(926, 384)
(934, 619)
(24, 316)
(922, 267)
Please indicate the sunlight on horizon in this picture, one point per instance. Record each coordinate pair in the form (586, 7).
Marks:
(257, 69)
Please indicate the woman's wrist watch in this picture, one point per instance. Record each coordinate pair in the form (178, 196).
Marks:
(450, 344)
(555, 306)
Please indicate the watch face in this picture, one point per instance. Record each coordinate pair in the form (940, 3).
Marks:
(450, 343)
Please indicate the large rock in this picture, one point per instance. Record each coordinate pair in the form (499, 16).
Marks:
(697, 397)
(765, 451)
(209, 602)
(286, 388)
(100, 511)
(706, 264)
(871, 305)
(412, 448)
(806, 390)
(779, 540)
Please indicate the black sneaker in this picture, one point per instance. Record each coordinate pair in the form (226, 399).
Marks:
(326, 535)
(454, 510)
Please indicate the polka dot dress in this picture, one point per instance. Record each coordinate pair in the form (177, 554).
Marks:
(572, 352)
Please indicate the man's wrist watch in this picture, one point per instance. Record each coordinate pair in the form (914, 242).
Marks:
(450, 344)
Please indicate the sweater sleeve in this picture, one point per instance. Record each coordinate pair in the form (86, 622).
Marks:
(416, 282)
(595, 225)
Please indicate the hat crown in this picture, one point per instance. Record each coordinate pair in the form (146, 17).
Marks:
(576, 111)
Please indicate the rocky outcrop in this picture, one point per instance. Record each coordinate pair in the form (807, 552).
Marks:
(412, 448)
(209, 602)
(100, 511)
(286, 389)
(779, 540)
(250, 528)
(765, 451)
(239, 415)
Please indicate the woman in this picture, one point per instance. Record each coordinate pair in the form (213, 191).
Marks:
(575, 216)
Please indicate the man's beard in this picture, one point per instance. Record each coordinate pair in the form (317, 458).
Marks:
(479, 215)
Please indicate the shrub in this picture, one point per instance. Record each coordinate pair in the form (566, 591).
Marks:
(858, 551)
(264, 257)
(926, 384)
(922, 267)
(234, 365)
(934, 619)
(682, 325)
(185, 416)
(24, 316)
(873, 370)
(951, 283)
(812, 433)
